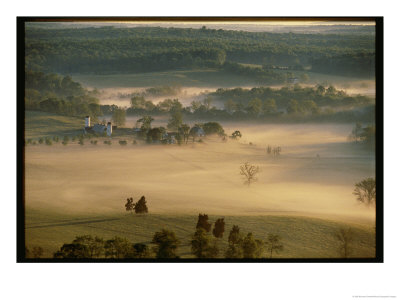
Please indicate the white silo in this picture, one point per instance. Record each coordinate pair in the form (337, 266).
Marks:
(87, 121)
(109, 129)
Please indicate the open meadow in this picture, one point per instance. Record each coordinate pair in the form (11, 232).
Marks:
(305, 194)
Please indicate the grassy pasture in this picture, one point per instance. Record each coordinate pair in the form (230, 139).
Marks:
(42, 124)
(195, 78)
(302, 237)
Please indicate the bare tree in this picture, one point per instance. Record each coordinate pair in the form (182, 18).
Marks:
(345, 237)
(365, 191)
(273, 244)
(249, 172)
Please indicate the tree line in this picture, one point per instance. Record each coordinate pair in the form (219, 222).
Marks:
(109, 49)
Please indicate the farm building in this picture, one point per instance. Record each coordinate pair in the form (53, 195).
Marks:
(97, 128)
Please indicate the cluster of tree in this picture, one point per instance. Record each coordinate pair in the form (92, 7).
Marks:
(364, 135)
(60, 95)
(359, 64)
(181, 131)
(260, 75)
(140, 207)
(275, 151)
(295, 99)
(109, 49)
(365, 191)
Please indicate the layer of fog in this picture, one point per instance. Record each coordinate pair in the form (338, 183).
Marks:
(314, 175)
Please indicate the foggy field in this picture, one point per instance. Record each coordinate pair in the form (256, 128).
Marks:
(205, 177)
(304, 195)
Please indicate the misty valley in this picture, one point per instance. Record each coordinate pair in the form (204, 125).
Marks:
(174, 143)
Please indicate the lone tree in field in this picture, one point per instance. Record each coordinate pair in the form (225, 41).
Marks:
(141, 206)
(365, 191)
(236, 135)
(273, 244)
(249, 172)
(202, 245)
(344, 237)
(129, 204)
(219, 228)
(202, 222)
(166, 244)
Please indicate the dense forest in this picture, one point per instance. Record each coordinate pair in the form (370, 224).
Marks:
(144, 49)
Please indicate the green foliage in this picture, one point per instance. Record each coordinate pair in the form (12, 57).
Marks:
(129, 206)
(219, 228)
(117, 248)
(175, 122)
(202, 245)
(202, 222)
(184, 131)
(166, 244)
(273, 244)
(123, 143)
(344, 238)
(156, 134)
(140, 250)
(94, 245)
(94, 142)
(252, 248)
(40, 141)
(141, 206)
(73, 250)
(213, 128)
(146, 121)
(65, 140)
(107, 143)
(365, 191)
(48, 141)
(119, 117)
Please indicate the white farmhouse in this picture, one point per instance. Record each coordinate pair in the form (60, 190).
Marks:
(97, 128)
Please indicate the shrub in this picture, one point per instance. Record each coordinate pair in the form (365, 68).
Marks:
(122, 143)
(40, 141)
(48, 142)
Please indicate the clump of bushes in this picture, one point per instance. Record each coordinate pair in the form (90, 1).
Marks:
(48, 141)
(122, 143)
(107, 143)
(65, 140)
(139, 207)
(93, 142)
